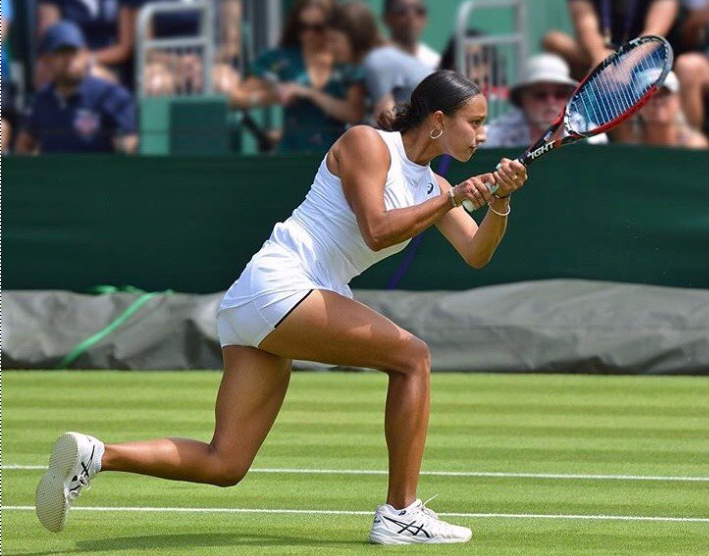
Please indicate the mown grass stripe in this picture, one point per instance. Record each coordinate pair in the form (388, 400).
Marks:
(369, 513)
(493, 474)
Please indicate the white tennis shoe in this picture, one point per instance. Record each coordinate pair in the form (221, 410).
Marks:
(415, 524)
(75, 460)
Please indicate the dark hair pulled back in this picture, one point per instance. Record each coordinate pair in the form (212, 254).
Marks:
(443, 90)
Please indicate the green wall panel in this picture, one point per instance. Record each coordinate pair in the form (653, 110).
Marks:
(191, 224)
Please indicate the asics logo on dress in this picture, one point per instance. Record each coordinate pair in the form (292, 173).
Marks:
(430, 189)
(410, 527)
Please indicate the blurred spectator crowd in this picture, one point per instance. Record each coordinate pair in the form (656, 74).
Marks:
(332, 68)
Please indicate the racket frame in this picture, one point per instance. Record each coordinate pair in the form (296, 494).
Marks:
(544, 144)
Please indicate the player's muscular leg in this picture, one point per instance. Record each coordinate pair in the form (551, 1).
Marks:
(251, 394)
(330, 328)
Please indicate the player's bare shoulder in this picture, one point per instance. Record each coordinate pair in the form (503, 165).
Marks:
(359, 135)
(360, 148)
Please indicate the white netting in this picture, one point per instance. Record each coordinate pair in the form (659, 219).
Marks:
(619, 86)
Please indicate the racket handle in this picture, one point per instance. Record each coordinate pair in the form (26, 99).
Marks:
(525, 160)
(468, 204)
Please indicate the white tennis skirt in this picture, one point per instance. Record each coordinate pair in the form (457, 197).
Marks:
(271, 286)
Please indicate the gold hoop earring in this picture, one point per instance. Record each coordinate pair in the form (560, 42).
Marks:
(434, 137)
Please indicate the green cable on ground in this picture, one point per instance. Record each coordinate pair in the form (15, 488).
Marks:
(105, 288)
(89, 342)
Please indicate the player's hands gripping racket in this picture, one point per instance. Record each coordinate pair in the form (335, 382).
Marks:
(615, 89)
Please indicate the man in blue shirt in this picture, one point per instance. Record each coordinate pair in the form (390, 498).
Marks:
(76, 112)
(108, 27)
(8, 100)
(7, 17)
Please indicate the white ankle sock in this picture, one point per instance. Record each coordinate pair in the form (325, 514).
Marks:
(414, 503)
(98, 455)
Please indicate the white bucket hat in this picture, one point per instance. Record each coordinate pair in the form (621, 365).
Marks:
(671, 83)
(542, 68)
(650, 76)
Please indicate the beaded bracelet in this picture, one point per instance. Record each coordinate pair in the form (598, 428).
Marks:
(509, 210)
(451, 196)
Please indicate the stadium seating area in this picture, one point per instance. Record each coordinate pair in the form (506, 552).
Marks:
(241, 76)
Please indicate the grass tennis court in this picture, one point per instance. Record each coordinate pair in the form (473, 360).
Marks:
(608, 433)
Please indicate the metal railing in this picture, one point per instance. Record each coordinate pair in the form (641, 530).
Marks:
(492, 61)
(263, 20)
(231, 33)
(184, 64)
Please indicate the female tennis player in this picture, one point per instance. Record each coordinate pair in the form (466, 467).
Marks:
(373, 192)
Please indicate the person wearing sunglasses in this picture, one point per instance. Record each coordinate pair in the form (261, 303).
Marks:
(321, 96)
(538, 98)
(406, 20)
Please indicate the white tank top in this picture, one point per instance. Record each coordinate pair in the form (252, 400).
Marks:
(323, 230)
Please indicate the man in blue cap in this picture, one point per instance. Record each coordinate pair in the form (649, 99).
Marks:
(77, 112)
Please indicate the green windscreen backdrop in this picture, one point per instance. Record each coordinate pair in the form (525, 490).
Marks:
(191, 224)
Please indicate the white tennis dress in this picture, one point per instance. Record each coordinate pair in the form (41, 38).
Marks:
(319, 247)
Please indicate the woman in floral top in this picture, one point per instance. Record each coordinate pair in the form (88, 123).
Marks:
(321, 97)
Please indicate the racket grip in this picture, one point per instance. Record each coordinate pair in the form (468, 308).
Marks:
(468, 204)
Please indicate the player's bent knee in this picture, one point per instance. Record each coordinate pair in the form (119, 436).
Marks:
(418, 357)
(228, 475)
(227, 479)
(425, 356)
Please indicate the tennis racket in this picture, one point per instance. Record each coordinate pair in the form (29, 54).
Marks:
(615, 89)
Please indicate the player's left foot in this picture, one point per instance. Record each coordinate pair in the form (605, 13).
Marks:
(75, 460)
(415, 524)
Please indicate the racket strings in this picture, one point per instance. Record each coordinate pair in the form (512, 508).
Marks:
(618, 87)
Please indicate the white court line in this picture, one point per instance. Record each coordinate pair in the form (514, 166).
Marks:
(369, 513)
(503, 475)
